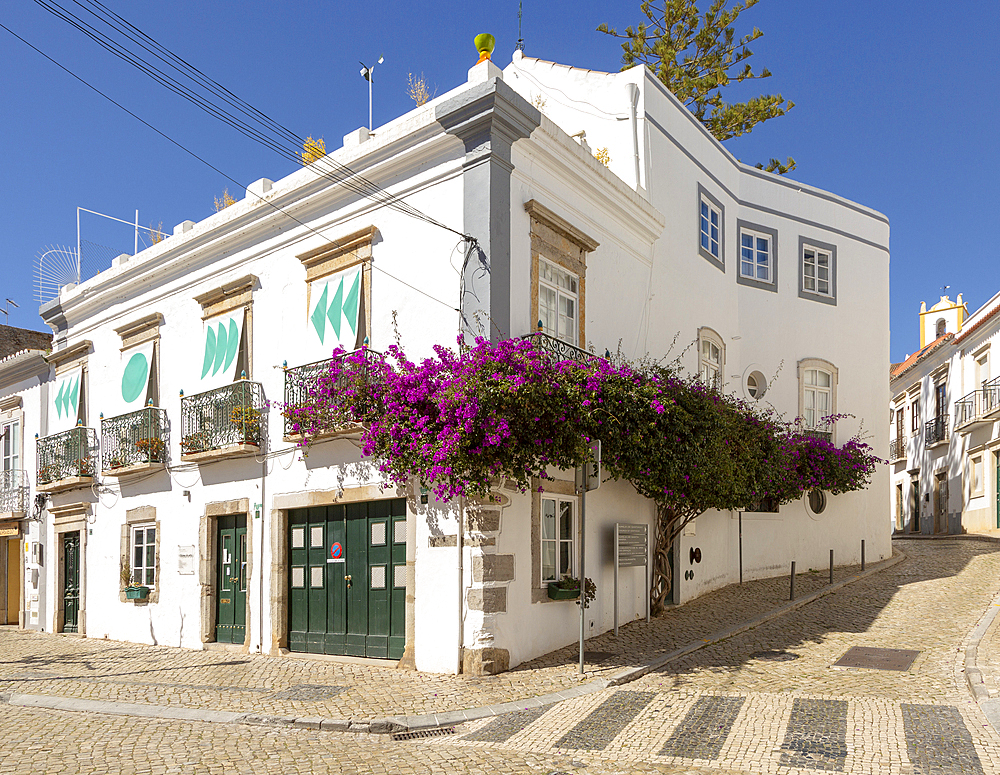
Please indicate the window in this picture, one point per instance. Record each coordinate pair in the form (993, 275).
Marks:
(915, 416)
(940, 327)
(982, 369)
(758, 256)
(900, 422)
(558, 297)
(940, 400)
(817, 501)
(144, 555)
(818, 392)
(711, 225)
(558, 544)
(712, 357)
(817, 396)
(10, 446)
(817, 271)
(711, 229)
(756, 385)
(975, 476)
(755, 256)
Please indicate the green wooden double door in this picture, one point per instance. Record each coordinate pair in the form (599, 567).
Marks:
(231, 579)
(347, 579)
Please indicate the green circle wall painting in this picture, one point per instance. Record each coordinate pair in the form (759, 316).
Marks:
(135, 377)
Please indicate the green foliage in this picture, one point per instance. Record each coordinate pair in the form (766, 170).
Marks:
(696, 56)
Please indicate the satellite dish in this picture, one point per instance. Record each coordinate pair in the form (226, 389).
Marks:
(55, 267)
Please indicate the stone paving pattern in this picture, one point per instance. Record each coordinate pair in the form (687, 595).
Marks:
(97, 669)
(788, 711)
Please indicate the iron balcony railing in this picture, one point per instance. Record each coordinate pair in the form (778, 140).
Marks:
(820, 434)
(897, 448)
(67, 454)
(557, 348)
(13, 491)
(978, 405)
(936, 430)
(224, 417)
(303, 382)
(134, 438)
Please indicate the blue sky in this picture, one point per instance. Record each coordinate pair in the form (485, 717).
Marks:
(896, 108)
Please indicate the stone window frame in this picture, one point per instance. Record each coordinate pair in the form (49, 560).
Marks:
(138, 517)
(821, 364)
(336, 256)
(145, 329)
(974, 490)
(559, 242)
(564, 489)
(228, 298)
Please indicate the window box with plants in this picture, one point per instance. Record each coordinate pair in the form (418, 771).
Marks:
(568, 588)
(133, 589)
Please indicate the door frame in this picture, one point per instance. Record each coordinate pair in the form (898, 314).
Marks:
(69, 518)
(208, 536)
(280, 581)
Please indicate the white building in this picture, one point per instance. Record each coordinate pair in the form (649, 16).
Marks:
(945, 435)
(24, 377)
(242, 540)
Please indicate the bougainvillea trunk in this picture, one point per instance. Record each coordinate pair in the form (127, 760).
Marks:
(661, 574)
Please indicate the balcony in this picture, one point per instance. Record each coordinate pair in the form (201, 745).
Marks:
(135, 442)
(67, 460)
(897, 449)
(14, 492)
(557, 349)
(978, 408)
(936, 431)
(221, 423)
(301, 384)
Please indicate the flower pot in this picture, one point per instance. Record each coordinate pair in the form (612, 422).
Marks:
(136, 593)
(558, 593)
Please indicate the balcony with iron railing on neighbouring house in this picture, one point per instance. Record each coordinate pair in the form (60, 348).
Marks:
(134, 442)
(67, 460)
(305, 416)
(557, 349)
(14, 492)
(979, 408)
(897, 449)
(936, 431)
(224, 422)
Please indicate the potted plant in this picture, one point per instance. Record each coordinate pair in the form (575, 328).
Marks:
(568, 588)
(133, 589)
(151, 449)
(247, 419)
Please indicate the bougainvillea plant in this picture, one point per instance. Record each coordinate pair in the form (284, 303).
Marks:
(460, 421)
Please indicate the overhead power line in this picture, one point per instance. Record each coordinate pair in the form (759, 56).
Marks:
(256, 125)
(272, 205)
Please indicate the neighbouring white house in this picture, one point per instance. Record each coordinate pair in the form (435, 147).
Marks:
(198, 521)
(24, 379)
(945, 437)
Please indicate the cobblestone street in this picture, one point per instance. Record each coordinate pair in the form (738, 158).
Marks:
(767, 700)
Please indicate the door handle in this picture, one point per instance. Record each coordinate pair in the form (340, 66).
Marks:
(348, 579)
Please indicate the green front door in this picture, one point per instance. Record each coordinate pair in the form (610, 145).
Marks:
(347, 579)
(996, 482)
(231, 579)
(71, 582)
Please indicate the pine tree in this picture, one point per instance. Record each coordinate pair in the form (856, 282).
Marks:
(696, 56)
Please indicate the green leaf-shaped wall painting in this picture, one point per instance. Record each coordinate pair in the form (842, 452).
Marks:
(221, 343)
(209, 352)
(233, 344)
(336, 305)
(351, 303)
(318, 316)
(59, 399)
(135, 378)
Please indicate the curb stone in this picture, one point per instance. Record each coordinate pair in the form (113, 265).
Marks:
(397, 724)
(973, 675)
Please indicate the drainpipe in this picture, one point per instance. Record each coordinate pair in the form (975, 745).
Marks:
(260, 572)
(632, 90)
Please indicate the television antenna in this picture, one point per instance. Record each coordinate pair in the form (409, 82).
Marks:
(6, 311)
(520, 40)
(368, 73)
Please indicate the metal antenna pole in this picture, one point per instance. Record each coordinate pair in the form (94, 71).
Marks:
(520, 40)
(135, 250)
(78, 243)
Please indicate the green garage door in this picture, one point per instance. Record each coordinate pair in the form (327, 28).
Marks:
(347, 579)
